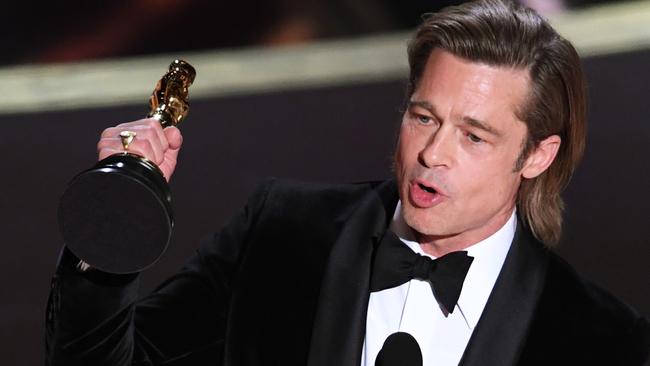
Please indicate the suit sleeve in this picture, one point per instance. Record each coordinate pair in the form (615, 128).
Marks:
(95, 318)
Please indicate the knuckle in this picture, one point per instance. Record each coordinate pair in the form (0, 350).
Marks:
(148, 151)
(124, 125)
(104, 153)
(108, 132)
(146, 144)
(152, 124)
(104, 143)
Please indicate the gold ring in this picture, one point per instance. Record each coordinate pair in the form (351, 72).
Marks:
(127, 137)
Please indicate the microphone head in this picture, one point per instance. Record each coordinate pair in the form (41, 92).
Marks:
(399, 349)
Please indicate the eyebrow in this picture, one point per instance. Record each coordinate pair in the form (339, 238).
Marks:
(467, 120)
(482, 126)
(422, 104)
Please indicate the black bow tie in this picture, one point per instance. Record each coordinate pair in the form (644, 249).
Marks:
(395, 263)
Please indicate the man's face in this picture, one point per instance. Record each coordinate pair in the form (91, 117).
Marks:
(459, 141)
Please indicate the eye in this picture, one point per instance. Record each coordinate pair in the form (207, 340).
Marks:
(424, 119)
(473, 138)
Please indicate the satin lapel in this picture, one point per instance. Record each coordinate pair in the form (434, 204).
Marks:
(501, 332)
(340, 322)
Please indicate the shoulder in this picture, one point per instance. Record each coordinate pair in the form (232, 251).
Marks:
(287, 188)
(586, 321)
(587, 300)
(279, 220)
(292, 199)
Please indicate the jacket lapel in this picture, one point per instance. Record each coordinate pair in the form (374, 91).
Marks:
(502, 329)
(339, 325)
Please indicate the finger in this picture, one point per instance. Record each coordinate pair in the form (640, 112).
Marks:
(109, 132)
(147, 149)
(150, 127)
(143, 121)
(169, 165)
(115, 130)
(147, 140)
(174, 137)
(147, 128)
(144, 131)
(106, 152)
(142, 147)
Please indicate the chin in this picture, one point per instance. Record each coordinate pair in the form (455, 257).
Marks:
(422, 223)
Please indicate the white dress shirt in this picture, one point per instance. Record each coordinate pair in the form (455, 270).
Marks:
(412, 308)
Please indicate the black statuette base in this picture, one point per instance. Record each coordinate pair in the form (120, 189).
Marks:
(117, 216)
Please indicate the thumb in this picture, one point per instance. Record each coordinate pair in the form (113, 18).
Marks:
(174, 137)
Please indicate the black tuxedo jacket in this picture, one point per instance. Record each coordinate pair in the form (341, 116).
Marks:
(286, 282)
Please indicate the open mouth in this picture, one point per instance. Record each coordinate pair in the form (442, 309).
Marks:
(423, 195)
(427, 188)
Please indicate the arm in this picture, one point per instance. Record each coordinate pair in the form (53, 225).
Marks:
(95, 318)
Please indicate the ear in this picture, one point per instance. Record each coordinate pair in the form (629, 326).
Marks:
(541, 158)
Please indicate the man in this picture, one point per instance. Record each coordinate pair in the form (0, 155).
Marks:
(493, 128)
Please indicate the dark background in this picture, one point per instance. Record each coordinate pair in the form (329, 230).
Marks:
(334, 134)
(37, 31)
(343, 133)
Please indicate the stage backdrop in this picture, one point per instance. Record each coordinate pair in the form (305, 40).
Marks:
(335, 134)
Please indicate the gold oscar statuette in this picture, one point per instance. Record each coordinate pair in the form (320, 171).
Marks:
(117, 216)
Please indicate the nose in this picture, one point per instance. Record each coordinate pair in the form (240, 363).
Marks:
(438, 150)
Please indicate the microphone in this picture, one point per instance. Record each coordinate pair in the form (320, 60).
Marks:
(399, 349)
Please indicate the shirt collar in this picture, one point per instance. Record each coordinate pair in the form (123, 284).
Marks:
(489, 255)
